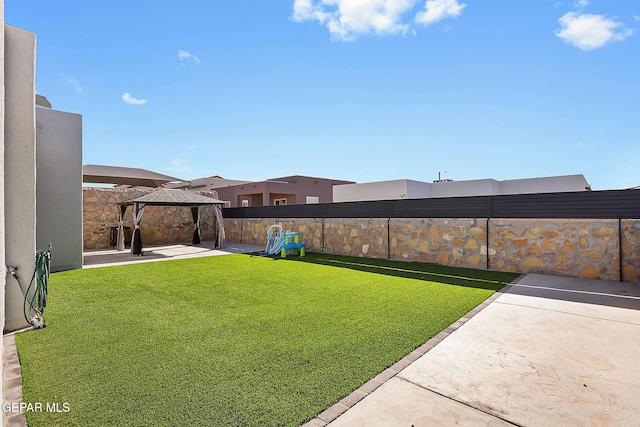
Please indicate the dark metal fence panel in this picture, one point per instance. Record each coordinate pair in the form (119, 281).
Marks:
(368, 209)
(610, 204)
(451, 207)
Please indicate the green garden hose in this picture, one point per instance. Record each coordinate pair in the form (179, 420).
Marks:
(35, 304)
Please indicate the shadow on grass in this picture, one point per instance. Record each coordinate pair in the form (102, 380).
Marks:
(458, 276)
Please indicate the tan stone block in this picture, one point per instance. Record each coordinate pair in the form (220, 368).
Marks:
(534, 249)
(534, 262)
(583, 242)
(457, 241)
(424, 247)
(414, 235)
(472, 244)
(498, 242)
(347, 249)
(500, 264)
(629, 272)
(517, 255)
(426, 257)
(424, 235)
(461, 229)
(508, 234)
(549, 245)
(592, 255)
(568, 247)
(443, 258)
(353, 232)
(562, 268)
(402, 237)
(549, 234)
(535, 230)
(588, 271)
(413, 243)
(474, 259)
(513, 269)
(607, 230)
(477, 230)
(520, 243)
(434, 234)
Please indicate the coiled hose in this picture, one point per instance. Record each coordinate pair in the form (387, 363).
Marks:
(35, 304)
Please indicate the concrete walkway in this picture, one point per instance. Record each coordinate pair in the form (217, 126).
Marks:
(547, 351)
(111, 257)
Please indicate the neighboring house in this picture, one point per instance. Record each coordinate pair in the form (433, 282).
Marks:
(286, 190)
(408, 189)
(214, 182)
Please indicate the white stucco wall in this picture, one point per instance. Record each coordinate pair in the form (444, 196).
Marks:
(3, 273)
(476, 187)
(59, 187)
(549, 184)
(418, 189)
(384, 190)
(405, 188)
(19, 166)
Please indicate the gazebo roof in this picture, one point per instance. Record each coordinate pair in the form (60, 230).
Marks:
(173, 197)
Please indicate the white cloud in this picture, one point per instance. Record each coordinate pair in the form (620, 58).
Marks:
(437, 10)
(586, 31)
(346, 19)
(187, 56)
(581, 5)
(75, 84)
(131, 100)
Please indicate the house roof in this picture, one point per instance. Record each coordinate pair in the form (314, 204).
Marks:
(98, 174)
(174, 197)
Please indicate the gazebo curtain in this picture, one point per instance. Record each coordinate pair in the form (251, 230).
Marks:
(220, 243)
(121, 211)
(196, 222)
(136, 239)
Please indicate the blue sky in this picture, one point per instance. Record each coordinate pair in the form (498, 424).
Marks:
(363, 90)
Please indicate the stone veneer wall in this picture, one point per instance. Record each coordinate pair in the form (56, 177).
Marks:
(363, 237)
(160, 224)
(446, 241)
(630, 250)
(587, 248)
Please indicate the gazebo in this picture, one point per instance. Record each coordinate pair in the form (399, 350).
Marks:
(168, 197)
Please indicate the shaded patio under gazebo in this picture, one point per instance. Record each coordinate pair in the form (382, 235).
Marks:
(168, 197)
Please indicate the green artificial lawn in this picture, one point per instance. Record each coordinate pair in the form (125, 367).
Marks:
(232, 340)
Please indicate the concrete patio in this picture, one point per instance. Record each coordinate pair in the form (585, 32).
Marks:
(546, 351)
(112, 257)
